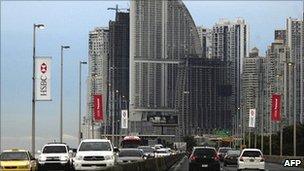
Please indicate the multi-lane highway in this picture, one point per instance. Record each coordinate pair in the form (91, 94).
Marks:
(184, 164)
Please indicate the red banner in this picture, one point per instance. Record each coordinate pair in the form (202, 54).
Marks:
(276, 107)
(98, 112)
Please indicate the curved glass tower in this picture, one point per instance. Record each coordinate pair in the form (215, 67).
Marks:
(162, 33)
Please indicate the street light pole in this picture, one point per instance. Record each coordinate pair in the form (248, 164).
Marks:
(39, 26)
(113, 112)
(270, 129)
(294, 111)
(61, 87)
(94, 90)
(79, 119)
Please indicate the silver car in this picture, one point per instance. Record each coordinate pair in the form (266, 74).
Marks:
(127, 155)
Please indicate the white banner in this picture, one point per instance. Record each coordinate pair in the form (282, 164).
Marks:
(252, 116)
(43, 78)
(124, 119)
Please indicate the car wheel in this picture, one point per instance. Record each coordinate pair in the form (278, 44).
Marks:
(239, 170)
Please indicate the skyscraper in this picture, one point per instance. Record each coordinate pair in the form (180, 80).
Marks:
(205, 35)
(230, 43)
(252, 88)
(293, 36)
(162, 33)
(98, 73)
(118, 90)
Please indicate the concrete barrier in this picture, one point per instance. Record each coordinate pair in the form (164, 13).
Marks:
(156, 164)
(281, 159)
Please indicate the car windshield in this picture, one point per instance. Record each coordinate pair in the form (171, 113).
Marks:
(130, 153)
(204, 152)
(224, 150)
(54, 149)
(95, 146)
(162, 151)
(5, 156)
(251, 154)
(233, 152)
(147, 149)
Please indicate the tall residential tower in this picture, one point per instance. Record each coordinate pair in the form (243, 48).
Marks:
(162, 33)
(98, 74)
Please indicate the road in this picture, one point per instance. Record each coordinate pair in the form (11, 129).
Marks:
(183, 166)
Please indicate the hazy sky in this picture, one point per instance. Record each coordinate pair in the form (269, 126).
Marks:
(68, 23)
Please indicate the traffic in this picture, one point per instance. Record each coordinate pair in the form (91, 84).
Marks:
(91, 154)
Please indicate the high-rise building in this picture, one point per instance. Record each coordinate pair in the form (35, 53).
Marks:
(204, 96)
(230, 43)
(205, 35)
(162, 33)
(98, 74)
(252, 89)
(294, 42)
(118, 90)
(279, 76)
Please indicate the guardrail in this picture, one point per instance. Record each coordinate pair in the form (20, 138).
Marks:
(156, 164)
(281, 159)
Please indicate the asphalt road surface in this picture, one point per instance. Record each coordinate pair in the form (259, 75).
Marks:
(184, 164)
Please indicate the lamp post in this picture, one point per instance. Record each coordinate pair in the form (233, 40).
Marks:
(38, 26)
(94, 90)
(79, 121)
(61, 87)
(113, 112)
(294, 109)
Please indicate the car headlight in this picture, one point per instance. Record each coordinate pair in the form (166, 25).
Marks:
(78, 157)
(108, 157)
(64, 158)
(42, 158)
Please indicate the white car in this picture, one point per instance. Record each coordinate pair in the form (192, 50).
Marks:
(251, 159)
(158, 146)
(54, 155)
(94, 154)
(162, 152)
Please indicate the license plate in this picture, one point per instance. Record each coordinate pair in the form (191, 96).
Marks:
(204, 165)
(251, 160)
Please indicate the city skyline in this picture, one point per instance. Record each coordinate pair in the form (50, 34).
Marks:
(49, 41)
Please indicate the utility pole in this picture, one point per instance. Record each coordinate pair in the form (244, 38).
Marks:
(38, 26)
(61, 92)
(79, 117)
(294, 110)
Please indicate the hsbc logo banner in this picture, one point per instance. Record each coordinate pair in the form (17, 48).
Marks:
(124, 119)
(43, 78)
(252, 116)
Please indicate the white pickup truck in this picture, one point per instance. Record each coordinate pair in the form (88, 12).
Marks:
(93, 154)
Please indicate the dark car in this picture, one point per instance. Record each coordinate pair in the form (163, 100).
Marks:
(222, 151)
(231, 157)
(204, 158)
